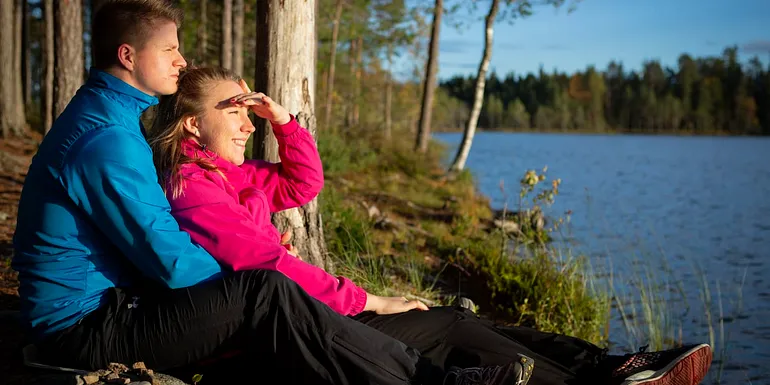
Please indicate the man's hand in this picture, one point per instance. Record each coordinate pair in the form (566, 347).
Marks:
(391, 305)
(262, 105)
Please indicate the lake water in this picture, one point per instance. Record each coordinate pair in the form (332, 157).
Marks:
(691, 213)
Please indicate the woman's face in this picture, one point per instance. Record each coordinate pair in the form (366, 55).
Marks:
(225, 128)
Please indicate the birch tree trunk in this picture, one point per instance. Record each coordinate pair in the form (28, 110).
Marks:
(332, 63)
(18, 53)
(203, 36)
(69, 52)
(285, 71)
(26, 66)
(478, 98)
(429, 86)
(226, 60)
(238, 17)
(49, 65)
(8, 120)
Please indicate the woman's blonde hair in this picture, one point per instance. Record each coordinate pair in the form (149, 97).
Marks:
(167, 132)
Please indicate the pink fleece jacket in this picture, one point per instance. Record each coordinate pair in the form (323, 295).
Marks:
(230, 216)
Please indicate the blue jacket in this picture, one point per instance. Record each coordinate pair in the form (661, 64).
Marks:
(92, 215)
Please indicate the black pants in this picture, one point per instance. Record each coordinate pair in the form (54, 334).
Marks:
(453, 336)
(293, 338)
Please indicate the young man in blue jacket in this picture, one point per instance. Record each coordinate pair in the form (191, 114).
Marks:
(107, 276)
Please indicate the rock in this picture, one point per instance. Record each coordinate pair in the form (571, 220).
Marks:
(538, 220)
(118, 368)
(139, 383)
(164, 379)
(139, 365)
(467, 303)
(112, 376)
(508, 227)
(374, 212)
(90, 379)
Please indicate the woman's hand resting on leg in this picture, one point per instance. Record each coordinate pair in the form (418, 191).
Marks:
(391, 305)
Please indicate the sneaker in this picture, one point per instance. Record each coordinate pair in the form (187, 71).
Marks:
(681, 366)
(515, 373)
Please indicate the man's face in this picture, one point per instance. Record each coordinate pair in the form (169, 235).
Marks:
(159, 61)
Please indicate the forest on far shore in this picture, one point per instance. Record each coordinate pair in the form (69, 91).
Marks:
(701, 96)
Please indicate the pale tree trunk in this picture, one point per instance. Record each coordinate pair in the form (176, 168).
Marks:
(69, 52)
(49, 65)
(389, 95)
(478, 98)
(26, 66)
(332, 63)
(203, 36)
(285, 71)
(357, 85)
(351, 92)
(8, 119)
(238, 37)
(226, 61)
(18, 53)
(429, 86)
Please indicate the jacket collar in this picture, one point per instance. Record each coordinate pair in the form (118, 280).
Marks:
(128, 96)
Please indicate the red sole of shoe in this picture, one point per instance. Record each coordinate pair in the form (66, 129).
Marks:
(690, 370)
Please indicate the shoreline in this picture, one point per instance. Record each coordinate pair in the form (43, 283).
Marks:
(606, 133)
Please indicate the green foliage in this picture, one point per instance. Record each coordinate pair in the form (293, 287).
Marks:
(351, 238)
(545, 291)
(346, 229)
(547, 294)
(533, 284)
(530, 216)
(516, 115)
(702, 96)
(350, 242)
(449, 113)
(346, 153)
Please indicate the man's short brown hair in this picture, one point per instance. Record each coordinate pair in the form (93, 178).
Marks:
(119, 22)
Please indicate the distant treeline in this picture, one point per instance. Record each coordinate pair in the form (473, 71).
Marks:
(700, 96)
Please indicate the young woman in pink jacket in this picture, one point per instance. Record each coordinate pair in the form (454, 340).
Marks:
(225, 201)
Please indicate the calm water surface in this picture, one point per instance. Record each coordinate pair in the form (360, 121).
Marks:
(692, 213)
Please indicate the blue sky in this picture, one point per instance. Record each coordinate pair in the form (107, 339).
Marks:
(630, 31)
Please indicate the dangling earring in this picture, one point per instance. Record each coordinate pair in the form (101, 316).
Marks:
(198, 134)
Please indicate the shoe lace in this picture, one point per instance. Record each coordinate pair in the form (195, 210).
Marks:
(637, 361)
